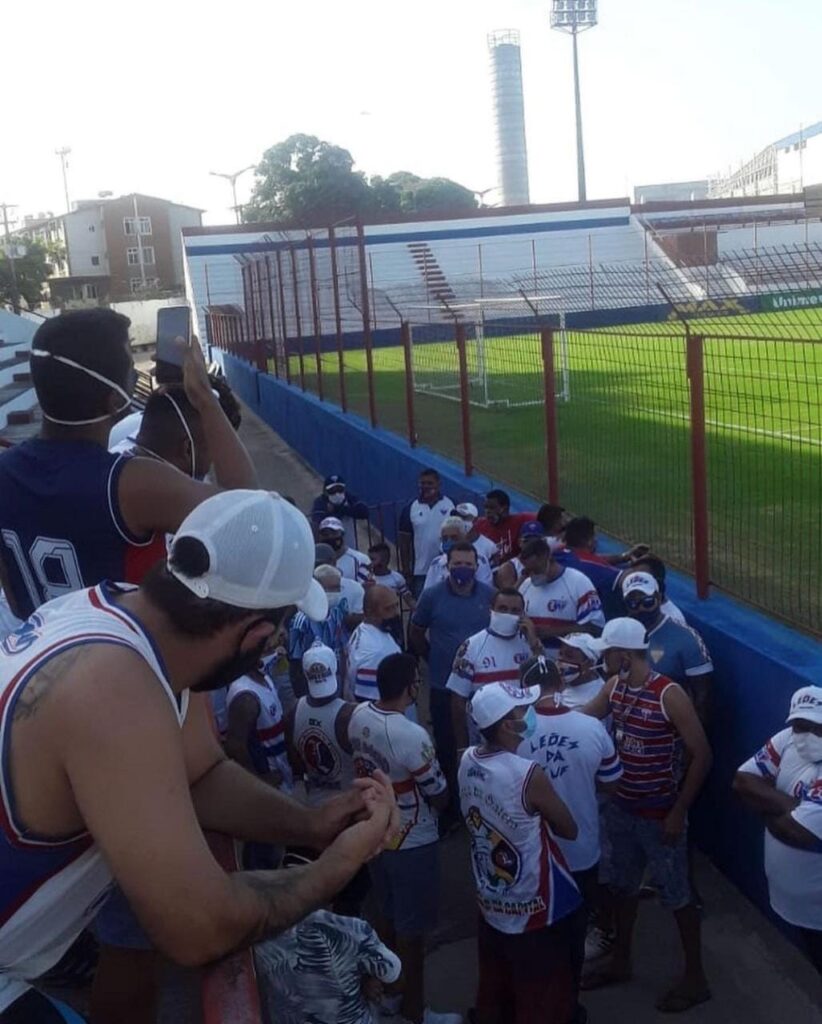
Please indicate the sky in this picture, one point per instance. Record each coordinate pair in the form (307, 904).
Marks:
(151, 97)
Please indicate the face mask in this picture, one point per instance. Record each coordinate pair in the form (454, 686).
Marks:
(539, 579)
(645, 617)
(529, 723)
(239, 664)
(336, 543)
(40, 354)
(333, 599)
(337, 497)
(624, 669)
(446, 545)
(385, 625)
(808, 746)
(462, 575)
(504, 623)
(569, 671)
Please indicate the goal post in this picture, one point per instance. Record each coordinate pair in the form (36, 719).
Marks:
(502, 353)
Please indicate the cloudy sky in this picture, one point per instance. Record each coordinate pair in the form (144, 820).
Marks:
(152, 96)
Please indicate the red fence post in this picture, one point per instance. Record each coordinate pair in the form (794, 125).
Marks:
(297, 318)
(269, 280)
(551, 438)
(315, 312)
(366, 324)
(699, 462)
(283, 317)
(465, 401)
(405, 334)
(335, 284)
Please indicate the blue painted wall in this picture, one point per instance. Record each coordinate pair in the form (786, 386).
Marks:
(759, 663)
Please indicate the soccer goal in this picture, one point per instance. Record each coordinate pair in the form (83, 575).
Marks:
(504, 364)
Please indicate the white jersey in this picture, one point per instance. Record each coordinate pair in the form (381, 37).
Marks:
(438, 571)
(575, 752)
(353, 565)
(570, 598)
(354, 594)
(485, 547)
(393, 580)
(52, 888)
(328, 768)
(426, 523)
(366, 649)
(486, 658)
(8, 620)
(673, 612)
(268, 751)
(125, 429)
(403, 750)
(522, 880)
(794, 875)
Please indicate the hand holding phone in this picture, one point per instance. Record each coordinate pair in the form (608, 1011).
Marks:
(173, 334)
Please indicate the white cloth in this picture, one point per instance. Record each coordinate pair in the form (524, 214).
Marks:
(438, 571)
(366, 649)
(794, 875)
(673, 612)
(485, 546)
(353, 565)
(354, 593)
(426, 522)
(578, 696)
(393, 580)
(328, 768)
(8, 620)
(128, 426)
(403, 750)
(575, 752)
(270, 725)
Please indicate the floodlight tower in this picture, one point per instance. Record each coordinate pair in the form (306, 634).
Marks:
(573, 17)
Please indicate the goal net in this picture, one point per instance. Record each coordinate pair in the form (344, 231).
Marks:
(503, 353)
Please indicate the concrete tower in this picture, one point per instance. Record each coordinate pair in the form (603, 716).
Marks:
(509, 117)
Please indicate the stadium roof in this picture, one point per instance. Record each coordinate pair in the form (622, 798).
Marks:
(804, 133)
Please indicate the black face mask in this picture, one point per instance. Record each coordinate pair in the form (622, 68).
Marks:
(336, 543)
(238, 664)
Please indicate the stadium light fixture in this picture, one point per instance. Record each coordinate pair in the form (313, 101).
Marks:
(573, 17)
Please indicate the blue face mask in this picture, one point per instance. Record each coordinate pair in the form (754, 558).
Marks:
(529, 723)
(462, 575)
(445, 546)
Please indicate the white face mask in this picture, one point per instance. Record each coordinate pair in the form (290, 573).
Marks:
(40, 354)
(808, 746)
(337, 498)
(504, 623)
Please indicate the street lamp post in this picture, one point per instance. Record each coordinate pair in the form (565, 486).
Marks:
(232, 180)
(573, 17)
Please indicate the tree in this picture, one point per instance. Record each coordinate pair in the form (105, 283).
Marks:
(435, 196)
(32, 270)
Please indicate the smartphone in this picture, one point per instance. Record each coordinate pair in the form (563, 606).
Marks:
(173, 323)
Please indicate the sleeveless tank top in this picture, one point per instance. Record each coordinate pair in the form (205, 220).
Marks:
(51, 888)
(328, 769)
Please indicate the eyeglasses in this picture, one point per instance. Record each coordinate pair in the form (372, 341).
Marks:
(646, 603)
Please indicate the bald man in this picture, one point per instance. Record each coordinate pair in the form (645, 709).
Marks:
(371, 641)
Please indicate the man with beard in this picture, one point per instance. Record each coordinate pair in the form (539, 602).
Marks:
(112, 770)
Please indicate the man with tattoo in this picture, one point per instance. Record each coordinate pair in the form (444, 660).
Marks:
(109, 769)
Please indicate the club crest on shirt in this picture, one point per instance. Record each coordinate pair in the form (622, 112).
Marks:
(317, 754)
(24, 636)
(496, 861)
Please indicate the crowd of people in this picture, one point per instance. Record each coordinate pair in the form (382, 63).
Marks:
(182, 651)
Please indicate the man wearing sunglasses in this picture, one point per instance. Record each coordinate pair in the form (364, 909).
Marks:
(674, 649)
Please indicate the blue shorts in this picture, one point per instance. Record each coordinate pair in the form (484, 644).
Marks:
(35, 1008)
(407, 890)
(635, 843)
(116, 924)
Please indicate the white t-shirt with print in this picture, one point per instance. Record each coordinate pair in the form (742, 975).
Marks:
(794, 875)
(570, 598)
(403, 750)
(366, 649)
(426, 522)
(575, 752)
(353, 565)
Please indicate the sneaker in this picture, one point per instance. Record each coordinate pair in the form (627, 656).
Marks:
(598, 943)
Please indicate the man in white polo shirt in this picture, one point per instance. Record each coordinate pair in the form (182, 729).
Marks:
(783, 783)
(494, 655)
(353, 564)
(558, 600)
(419, 529)
(371, 641)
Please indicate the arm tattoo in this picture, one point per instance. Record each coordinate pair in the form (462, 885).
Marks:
(37, 689)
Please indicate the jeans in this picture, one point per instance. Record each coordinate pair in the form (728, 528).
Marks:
(445, 744)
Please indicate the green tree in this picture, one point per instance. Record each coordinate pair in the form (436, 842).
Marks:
(439, 196)
(32, 270)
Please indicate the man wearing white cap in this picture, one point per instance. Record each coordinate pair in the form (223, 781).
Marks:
(783, 783)
(114, 767)
(578, 662)
(675, 650)
(647, 819)
(530, 907)
(469, 514)
(353, 564)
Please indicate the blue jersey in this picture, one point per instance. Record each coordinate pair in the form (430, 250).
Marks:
(60, 524)
(678, 652)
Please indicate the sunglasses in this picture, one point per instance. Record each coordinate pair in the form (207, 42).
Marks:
(646, 603)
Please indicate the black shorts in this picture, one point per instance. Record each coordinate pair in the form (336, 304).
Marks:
(35, 1008)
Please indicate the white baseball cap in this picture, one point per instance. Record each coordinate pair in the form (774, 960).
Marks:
(320, 668)
(807, 703)
(332, 523)
(582, 642)
(465, 510)
(628, 634)
(260, 553)
(644, 582)
(492, 702)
